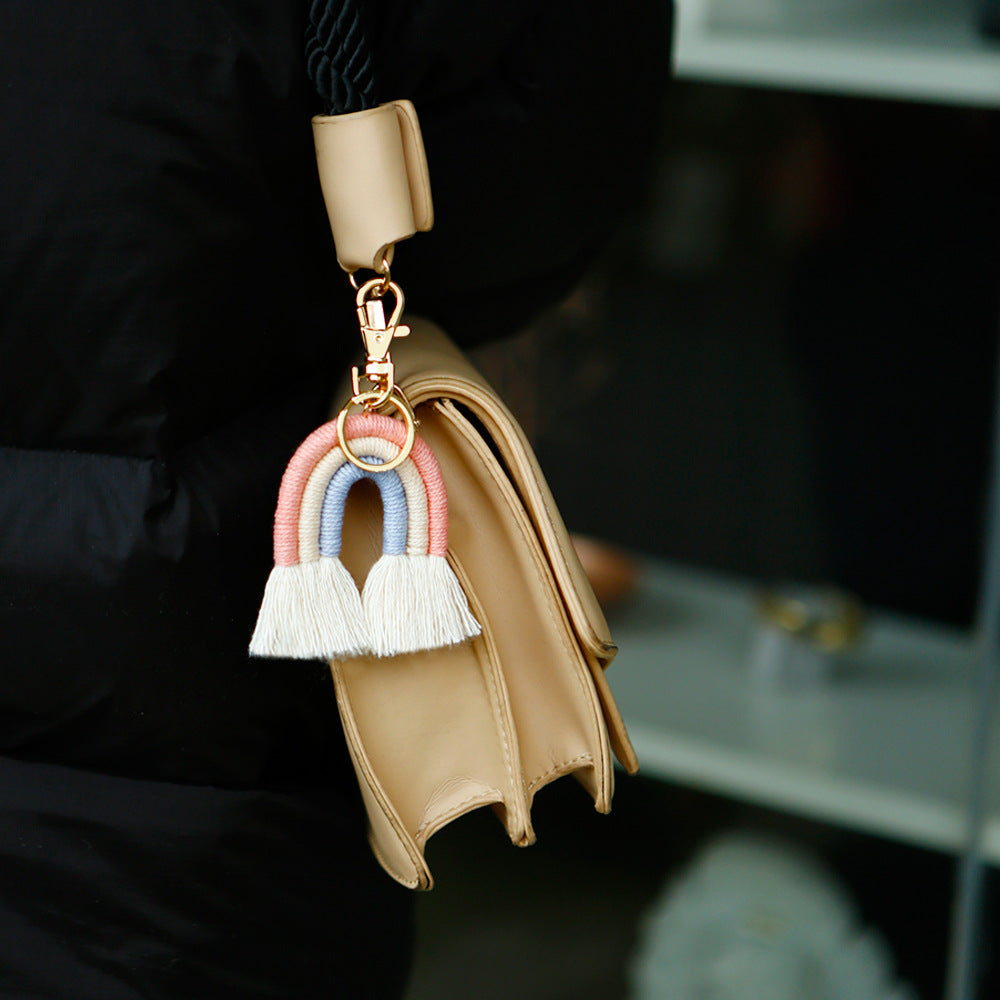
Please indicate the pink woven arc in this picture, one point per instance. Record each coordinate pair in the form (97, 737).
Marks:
(324, 439)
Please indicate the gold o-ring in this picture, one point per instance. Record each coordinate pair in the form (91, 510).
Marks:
(385, 272)
(402, 408)
(384, 278)
(380, 396)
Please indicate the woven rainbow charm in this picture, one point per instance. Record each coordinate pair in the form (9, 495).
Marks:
(411, 599)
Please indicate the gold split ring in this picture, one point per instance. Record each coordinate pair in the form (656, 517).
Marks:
(370, 400)
(384, 276)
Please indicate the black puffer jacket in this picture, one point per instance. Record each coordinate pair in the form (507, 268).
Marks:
(175, 819)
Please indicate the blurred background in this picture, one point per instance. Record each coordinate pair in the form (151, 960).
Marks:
(779, 379)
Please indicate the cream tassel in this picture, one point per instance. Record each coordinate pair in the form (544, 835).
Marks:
(310, 611)
(282, 622)
(341, 629)
(448, 607)
(389, 599)
(414, 603)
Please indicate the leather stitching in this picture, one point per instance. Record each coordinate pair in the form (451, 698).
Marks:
(482, 798)
(560, 623)
(356, 749)
(505, 723)
(410, 883)
(560, 768)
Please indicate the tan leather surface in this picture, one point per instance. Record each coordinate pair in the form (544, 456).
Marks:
(556, 713)
(434, 735)
(429, 365)
(417, 174)
(375, 182)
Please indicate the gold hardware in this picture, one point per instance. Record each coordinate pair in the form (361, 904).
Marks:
(382, 269)
(377, 333)
(370, 400)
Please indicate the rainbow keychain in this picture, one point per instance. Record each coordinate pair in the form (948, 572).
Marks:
(411, 600)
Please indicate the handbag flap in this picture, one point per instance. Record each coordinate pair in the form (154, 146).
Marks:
(429, 366)
(432, 370)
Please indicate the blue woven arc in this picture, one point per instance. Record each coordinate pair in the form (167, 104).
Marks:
(395, 517)
(339, 57)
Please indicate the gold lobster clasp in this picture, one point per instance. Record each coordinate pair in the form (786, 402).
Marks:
(377, 333)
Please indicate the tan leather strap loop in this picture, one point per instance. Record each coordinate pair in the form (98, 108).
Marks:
(373, 172)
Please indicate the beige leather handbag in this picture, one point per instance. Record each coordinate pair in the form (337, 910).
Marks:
(490, 721)
(467, 647)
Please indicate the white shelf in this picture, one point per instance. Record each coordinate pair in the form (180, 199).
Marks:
(922, 50)
(884, 748)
